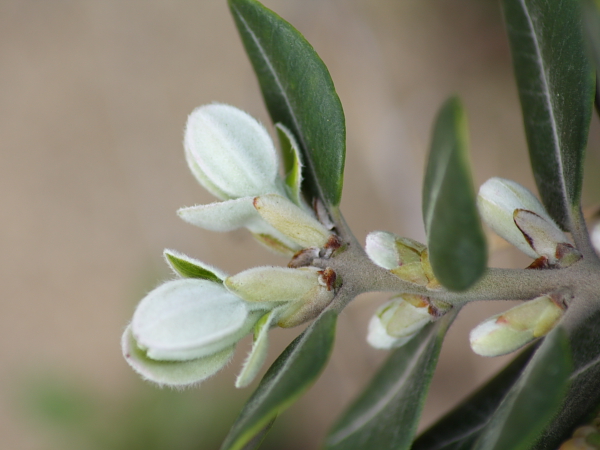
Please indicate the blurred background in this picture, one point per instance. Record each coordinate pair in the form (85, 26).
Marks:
(94, 96)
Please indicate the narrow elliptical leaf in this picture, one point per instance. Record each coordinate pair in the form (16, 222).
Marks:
(556, 88)
(299, 93)
(386, 415)
(290, 375)
(533, 400)
(459, 428)
(457, 246)
(583, 397)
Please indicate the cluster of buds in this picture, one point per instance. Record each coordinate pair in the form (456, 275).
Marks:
(187, 329)
(232, 156)
(400, 319)
(516, 215)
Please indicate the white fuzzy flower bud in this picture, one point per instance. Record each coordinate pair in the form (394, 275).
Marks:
(307, 290)
(504, 333)
(398, 321)
(497, 201)
(230, 153)
(190, 318)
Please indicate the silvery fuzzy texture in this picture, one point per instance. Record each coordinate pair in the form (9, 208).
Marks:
(497, 201)
(381, 249)
(396, 322)
(230, 153)
(190, 318)
(299, 294)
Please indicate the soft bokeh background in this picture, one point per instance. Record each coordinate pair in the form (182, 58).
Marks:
(93, 99)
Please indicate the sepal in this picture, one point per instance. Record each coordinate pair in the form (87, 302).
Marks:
(260, 345)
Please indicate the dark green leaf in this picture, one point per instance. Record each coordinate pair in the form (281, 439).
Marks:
(533, 400)
(459, 428)
(583, 397)
(299, 93)
(290, 375)
(386, 414)
(457, 246)
(556, 88)
(190, 268)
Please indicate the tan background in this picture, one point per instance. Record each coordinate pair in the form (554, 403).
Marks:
(93, 99)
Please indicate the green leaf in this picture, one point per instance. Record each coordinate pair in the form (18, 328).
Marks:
(583, 396)
(459, 428)
(457, 246)
(292, 163)
(534, 399)
(386, 414)
(188, 267)
(290, 375)
(299, 93)
(556, 88)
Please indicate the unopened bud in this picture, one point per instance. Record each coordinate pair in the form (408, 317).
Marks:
(398, 321)
(497, 200)
(308, 290)
(292, 221)
(230, 153)
(504, 333)
(402, 256)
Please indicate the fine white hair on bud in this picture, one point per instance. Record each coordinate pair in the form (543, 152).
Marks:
(230, 153)
(398, 321)
(305, 291)
(504, 333)
(190, 318)
(291, 221)
(497, 200)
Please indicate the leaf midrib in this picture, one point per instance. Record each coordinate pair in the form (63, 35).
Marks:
(547, 97)
(282, 91)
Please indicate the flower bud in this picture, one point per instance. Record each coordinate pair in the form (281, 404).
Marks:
(504, 333)
(190, 318)
(230, 153)
(186, 330)
(398, 321)
(402, 256)
(497, 200)
(307, 290)
(291, 221)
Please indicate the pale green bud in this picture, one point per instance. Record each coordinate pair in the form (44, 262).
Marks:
(398, 321)
(504, 333)
(402, 256)
(230, 153)
(497, 201)
(306, 290)
(291, 221)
